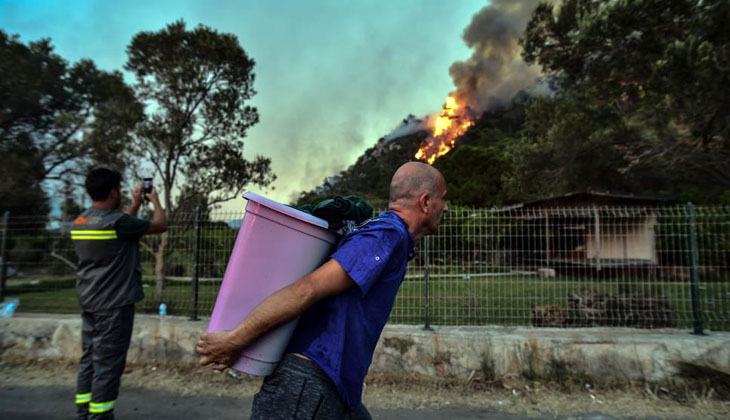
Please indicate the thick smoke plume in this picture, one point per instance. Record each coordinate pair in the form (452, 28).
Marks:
(495, 71)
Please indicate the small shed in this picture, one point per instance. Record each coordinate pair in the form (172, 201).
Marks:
(595, 230)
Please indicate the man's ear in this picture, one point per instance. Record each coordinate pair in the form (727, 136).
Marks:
(423, 201)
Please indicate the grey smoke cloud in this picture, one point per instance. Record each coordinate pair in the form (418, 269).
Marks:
(409, 125)
(495, 71)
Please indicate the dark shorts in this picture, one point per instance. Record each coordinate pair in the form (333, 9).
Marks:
(299, 389)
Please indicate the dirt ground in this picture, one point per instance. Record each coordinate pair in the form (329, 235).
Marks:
(516, 396)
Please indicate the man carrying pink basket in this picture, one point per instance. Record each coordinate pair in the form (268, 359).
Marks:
(343, 306)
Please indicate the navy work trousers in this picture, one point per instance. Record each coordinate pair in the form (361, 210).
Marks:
(105, 337)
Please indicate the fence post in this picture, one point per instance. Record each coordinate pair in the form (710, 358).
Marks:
(4, 263)
(694, 276)
(196, 265)
(426, 290)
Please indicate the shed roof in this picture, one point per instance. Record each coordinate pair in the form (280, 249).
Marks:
(585, 198)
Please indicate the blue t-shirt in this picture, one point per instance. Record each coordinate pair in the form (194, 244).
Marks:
(340, 332)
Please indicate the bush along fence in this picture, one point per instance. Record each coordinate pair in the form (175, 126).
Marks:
(595, 266)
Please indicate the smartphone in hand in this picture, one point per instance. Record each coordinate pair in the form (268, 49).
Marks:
(147, 185)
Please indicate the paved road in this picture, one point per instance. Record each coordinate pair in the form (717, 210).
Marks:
(54, 402)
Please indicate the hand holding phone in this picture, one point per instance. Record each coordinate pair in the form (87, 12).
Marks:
(147, 185)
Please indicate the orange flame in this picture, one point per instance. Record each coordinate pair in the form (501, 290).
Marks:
(445, 127)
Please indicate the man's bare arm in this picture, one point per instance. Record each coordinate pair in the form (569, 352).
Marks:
(136, 201)
(219, 348)
(158, 224)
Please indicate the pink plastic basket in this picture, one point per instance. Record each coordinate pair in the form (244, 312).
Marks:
(276, 246)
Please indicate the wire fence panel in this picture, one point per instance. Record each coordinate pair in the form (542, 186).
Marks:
(642, 267)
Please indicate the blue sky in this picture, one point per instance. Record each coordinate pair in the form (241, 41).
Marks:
(332, 76)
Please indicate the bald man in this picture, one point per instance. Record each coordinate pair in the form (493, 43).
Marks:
(344, 305)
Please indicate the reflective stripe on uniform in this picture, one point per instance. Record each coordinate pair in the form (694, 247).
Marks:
(91, 238)
(93, 234)
(83, 398)
(101, 407)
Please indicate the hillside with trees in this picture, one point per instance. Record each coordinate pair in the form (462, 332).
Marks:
(369, 177)
(638, 103)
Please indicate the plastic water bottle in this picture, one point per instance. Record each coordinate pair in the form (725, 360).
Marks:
(163, 311)
(7, 308)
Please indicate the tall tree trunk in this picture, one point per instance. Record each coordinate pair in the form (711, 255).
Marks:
(160, 263)
(160, 267)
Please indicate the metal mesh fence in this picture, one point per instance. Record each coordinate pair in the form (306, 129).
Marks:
(644, 267)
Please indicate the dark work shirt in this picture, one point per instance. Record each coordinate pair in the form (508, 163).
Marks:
(109, 274)
(131, 228)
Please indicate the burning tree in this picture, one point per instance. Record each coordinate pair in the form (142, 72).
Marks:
(487, 80)
(445, 128)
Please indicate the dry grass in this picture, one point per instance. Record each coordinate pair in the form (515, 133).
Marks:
(705, 379)
(565, 397)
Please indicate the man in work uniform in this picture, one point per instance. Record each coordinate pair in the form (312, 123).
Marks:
(109, 283)
(344, 306)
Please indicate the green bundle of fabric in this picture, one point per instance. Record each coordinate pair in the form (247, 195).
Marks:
(338, 211)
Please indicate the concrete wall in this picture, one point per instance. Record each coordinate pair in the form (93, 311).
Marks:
(447, 351)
